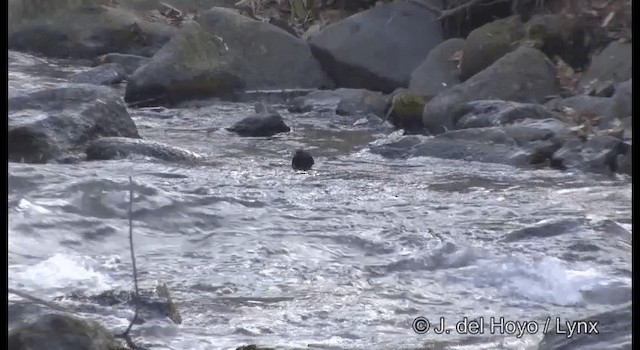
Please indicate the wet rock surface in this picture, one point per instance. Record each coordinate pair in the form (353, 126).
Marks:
(51, 123)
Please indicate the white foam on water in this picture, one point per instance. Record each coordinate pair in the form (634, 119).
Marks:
(60, 272)
(548, 280)
(30, 208)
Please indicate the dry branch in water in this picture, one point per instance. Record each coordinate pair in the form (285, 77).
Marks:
(448, 12)
(126, 335)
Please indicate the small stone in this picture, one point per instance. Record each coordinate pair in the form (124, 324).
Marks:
(302, 160)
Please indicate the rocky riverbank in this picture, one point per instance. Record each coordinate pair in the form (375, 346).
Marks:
(551, 90)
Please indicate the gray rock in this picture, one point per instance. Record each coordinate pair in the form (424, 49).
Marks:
(547, 229)
(356, 102)
(128, 62)
(613, 64)
(526, 144)
(80, 29)
(524, 75)
(57, 332)
(624, 162)
(193, 65)
(486, 113)
(583, 105)
(221, 54)
(260, 125)
(438, 72)
(106, 74)
(596, 155)
(48, 124)
(379, 48)
(110, 148)
(488, 43)
(620, 107)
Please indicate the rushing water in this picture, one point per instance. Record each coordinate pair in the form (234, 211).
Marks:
(346, 255)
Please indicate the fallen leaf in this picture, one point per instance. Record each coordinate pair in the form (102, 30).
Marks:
(608, 19)
(456, 56)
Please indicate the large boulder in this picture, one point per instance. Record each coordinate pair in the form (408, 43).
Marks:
(48, 124)
(524, 75)
(57, 332)
(379, 48)
(612, 65)
(81, 29)
(439, 71)
(486, 44)
(221, 54)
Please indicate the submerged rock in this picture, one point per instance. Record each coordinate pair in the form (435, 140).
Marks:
(527, 144)
(377, 49)
(110, 148)
(344, 101)
(130, 63)
(154, 304)
(302, 160)
(58, 331)
(106, 74)
(598, 154)
(52, 123)
(263, 123)
(486, 113)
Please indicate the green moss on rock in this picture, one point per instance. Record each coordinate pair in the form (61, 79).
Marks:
(406, 111)
(488, 43)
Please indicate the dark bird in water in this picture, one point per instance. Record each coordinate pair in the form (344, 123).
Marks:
(302, 160)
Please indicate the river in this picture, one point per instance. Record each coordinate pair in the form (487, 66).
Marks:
(343, 256)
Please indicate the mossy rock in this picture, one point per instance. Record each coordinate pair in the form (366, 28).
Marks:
(406, 111)
(488, 43)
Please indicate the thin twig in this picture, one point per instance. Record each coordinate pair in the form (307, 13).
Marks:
(38, 300)
(126, 335)
(446, 13)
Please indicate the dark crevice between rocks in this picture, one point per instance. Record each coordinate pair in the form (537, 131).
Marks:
(348, 76)
(461, 24)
